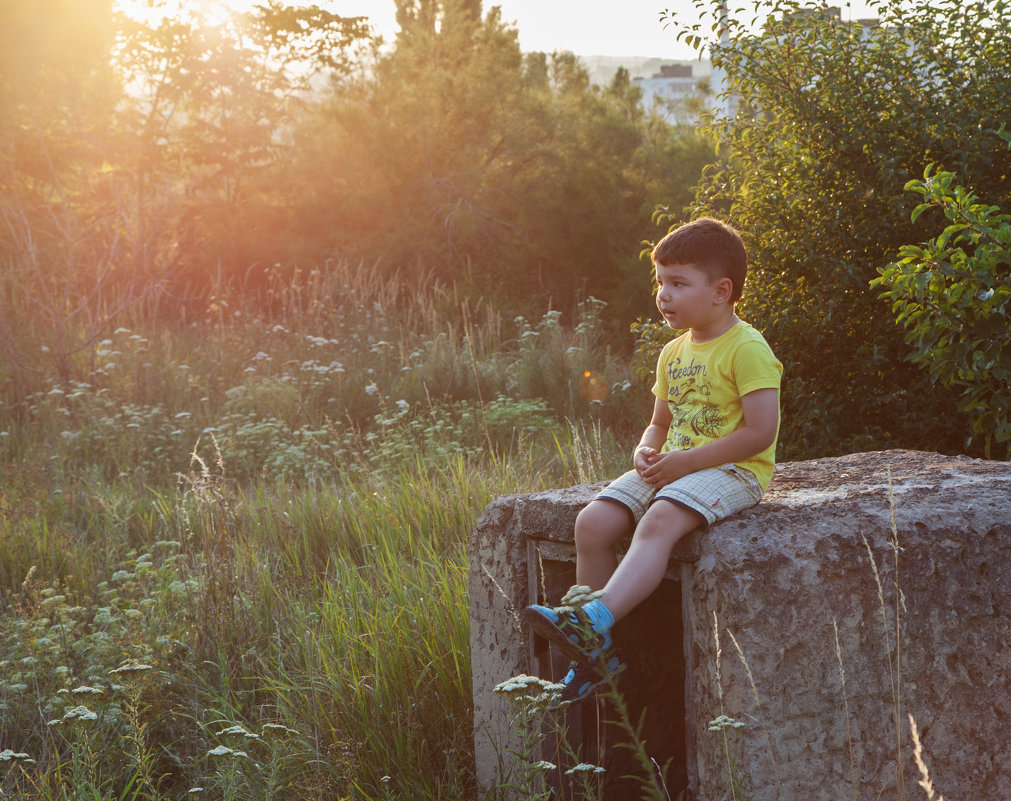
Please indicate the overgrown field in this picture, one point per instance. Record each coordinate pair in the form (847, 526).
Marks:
(232, 552)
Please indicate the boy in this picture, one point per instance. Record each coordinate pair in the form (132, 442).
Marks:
(707, 453)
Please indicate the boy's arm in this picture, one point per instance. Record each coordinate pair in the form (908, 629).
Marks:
(761, 419)
(653, 437)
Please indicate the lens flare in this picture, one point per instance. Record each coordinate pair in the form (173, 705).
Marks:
(592, 387)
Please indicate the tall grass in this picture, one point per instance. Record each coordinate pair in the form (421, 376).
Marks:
(232, 558)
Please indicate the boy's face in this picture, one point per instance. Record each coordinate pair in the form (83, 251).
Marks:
(687, 298)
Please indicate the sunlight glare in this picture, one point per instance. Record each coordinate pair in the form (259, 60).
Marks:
(209, 12)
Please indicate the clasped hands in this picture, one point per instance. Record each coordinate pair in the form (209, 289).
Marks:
(660, 469)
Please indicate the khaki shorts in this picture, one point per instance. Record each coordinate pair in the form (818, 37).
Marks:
(714, 494)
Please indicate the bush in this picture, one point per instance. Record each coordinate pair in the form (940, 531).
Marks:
(952, 295)
(834, 119)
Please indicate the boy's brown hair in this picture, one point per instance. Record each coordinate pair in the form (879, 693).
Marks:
(713, 246)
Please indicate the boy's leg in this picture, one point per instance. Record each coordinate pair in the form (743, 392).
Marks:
(584, 635)
(700, 498)
(599, 527)
(643, 566)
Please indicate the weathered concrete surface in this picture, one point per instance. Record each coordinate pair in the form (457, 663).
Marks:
(499, 588)
(779, 577)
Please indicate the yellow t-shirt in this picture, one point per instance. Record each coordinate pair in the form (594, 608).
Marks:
(703, 385)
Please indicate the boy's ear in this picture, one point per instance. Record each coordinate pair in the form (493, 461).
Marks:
(723, 289)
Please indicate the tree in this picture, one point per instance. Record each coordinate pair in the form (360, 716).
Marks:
(211, 110)
(137, 155)
(59, 245)
(953, 296)
(507, 172)
(835, 118)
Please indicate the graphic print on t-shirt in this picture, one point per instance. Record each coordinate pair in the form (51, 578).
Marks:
(694, 414)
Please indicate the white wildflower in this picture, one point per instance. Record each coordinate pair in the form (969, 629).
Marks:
(80, 713)
(238, 731)
(524, 685)
(13, 756)
(584, 767)
(224, 750)
(579, 594)
(132, 666)
(277, 728)
(724, 722)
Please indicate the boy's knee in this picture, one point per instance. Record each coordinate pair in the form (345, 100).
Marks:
(602, 523)
(668, 520)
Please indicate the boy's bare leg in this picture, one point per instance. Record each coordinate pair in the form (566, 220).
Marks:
(599, 527)
(643, 567)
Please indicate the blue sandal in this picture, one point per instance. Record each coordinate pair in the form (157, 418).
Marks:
(570, 630)
(582, 680)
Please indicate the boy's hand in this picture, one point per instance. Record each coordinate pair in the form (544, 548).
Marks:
(644, 457)
(667, 467)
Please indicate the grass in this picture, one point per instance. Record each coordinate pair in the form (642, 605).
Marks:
(271, 515)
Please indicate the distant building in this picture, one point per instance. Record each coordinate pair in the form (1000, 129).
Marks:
(683, 90)
(728, 103)
(680, 91)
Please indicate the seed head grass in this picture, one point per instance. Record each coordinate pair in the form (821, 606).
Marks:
(263, 555)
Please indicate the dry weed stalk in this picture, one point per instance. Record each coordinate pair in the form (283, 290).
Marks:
(924, 782)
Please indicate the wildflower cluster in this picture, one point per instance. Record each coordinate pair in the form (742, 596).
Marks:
(579, 595)
(584, 768)
(528, 688)
(724, 722)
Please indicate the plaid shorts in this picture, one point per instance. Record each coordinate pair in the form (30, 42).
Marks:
(715, 493)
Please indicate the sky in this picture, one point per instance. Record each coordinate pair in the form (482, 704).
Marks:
(586, 27)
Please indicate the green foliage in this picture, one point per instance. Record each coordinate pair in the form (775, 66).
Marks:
(650, 337)
(273, 515)
(506, 173)
(832, 121)
(953, 296)
(166, 166)
(134, 159)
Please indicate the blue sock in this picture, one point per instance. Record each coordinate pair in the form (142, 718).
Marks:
(600, 616)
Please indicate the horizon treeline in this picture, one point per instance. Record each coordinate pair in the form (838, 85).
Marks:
(167, 162)
(164, 173)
